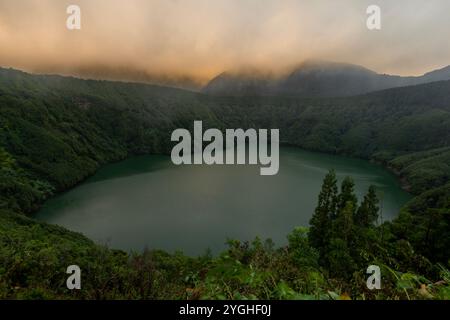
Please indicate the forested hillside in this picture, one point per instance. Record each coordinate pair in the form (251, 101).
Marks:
(56, 131)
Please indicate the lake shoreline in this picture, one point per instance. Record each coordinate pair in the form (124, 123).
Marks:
(210, 206)
(402, 181)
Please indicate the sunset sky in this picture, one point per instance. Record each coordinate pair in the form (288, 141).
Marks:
(138, 39)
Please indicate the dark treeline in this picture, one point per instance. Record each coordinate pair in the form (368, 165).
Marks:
(55, 132)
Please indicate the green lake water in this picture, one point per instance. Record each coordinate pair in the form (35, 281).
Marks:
(149, 202)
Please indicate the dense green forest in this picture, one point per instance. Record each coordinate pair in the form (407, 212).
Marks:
(56, 131)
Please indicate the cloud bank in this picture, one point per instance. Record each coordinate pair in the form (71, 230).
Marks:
(194, 40)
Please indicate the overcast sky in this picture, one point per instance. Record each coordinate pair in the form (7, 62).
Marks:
(201, 38)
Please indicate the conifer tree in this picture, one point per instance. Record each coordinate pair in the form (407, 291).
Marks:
(320, 230)
(343, 230)
(347, 195)
(343, 224)
(367, 213)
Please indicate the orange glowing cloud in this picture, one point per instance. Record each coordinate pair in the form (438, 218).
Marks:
(195, 40)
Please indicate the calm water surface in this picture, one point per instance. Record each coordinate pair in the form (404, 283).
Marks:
(149, 202)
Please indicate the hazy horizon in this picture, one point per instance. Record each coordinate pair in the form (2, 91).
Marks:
(193, 41)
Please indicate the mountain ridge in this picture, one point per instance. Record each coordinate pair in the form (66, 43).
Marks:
(316, 78)
(311, 79)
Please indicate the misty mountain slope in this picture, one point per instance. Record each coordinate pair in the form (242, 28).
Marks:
(316, 79)
(436, 75)
(246, 84)
(334, 80)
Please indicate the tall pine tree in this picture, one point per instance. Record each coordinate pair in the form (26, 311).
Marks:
(347, 195)
(320, 224)
(367, 213)
(343, 229)
(343, 224)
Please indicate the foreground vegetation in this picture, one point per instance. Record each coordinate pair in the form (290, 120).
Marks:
(329, 261)
(55, 132)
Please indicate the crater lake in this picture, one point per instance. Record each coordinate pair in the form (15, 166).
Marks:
(148, 202)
